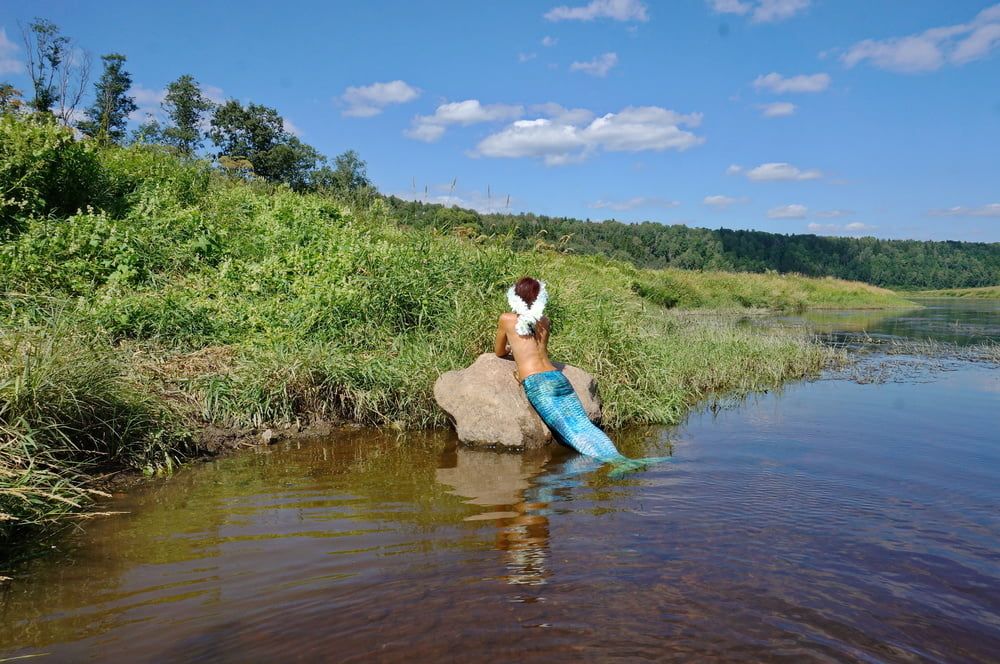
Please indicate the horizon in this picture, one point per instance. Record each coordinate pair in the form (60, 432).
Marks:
(783, 116)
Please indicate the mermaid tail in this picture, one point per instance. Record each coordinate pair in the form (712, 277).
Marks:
(553, 397)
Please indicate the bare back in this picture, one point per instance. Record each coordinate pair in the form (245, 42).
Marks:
(531, 353)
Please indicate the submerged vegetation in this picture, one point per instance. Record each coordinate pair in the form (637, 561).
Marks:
(146, 294)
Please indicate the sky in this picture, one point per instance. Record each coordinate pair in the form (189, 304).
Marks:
(834, 117)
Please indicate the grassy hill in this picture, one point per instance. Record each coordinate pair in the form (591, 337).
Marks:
(147, 296)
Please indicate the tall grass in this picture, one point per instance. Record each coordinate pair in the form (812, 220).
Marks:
(67, 411)
(161, 295)
(983, 293)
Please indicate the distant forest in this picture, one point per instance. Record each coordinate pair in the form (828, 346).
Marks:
(891, 263)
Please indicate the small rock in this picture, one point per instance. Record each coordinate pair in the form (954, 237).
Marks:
(489, 406)
(267, 436)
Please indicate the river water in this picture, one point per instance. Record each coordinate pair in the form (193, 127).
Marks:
(833, 520)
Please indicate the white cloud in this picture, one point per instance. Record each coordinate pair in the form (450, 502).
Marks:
(214, 93)
(990, 210)
(598, 66)
(429, 128)
(761, 11)
(722, 202)
(368, 100)
(549, 42)
(793, 211)
(931, 49)
(775, 171)
(8, 63)
(775, 82)
(777, 109)
(633, 129)
(853, 228)
(525, 57)
(617, 10)
(482, 202)
(635, 202)
(148, 101)
(572, 116)
(291, 128)
(833, 214)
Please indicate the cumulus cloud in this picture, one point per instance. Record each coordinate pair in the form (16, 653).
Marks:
(760, 11)
(933, 48)
(775, 82)
(616, 10)
(549, 42)
(721, 202)
(635, 202)
(291, 128)
(8, 63)
(148, 101)
(429, 128)
(833, 214)
(853, 228)
(793, 211)
(553, 111)
(777, 109)
(368, 100)
(990, 210)
(483, 202)
(598, 66)
(558, 141)
(774, 172)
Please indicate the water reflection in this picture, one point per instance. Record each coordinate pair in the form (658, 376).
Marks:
(517, 492)
(950, 320)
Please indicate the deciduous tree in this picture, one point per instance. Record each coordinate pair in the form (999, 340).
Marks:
(107, 118)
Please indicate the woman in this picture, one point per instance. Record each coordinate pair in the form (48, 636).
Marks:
(525, 334)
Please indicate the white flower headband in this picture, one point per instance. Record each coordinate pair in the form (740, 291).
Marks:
(527, 316)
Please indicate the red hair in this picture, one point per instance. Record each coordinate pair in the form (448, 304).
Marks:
(527, 289)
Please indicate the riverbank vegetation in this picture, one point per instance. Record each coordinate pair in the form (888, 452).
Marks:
(984, 293)
(147, 294)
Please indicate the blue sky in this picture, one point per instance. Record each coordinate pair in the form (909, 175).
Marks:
(868, 117)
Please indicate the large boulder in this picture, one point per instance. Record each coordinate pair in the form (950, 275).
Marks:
(489, 407)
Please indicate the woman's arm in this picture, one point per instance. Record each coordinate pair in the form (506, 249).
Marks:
(500, 344)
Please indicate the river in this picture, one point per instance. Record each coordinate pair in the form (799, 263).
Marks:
(837, 519)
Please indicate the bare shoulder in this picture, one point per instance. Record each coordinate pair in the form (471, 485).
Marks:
(508, 319)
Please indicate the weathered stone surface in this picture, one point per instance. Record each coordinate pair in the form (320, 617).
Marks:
(489, 407)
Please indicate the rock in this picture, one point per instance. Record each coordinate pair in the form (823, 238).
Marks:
(267, 436)
(489, 407)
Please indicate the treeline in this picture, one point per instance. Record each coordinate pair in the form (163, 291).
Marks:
(249, 140)
(893, 263)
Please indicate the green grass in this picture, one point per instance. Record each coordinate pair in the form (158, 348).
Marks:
(161, 296)
(984, 293)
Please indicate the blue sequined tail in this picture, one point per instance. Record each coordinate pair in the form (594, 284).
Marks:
(552, 395)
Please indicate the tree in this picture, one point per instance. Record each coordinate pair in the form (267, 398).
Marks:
(11, 100)
(349, 177)
(58, 71)
(185, 105)
(256, 133)
(107, 118)
(149, 132)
